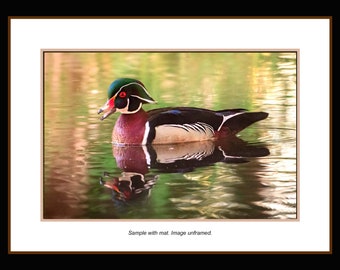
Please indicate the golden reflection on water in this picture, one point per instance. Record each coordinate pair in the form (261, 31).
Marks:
(77, 145)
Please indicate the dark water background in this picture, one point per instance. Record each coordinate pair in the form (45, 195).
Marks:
(85, 177)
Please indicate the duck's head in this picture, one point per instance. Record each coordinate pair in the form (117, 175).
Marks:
(125, 95)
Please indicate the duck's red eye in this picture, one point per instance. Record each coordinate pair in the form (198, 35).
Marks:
(122, 94)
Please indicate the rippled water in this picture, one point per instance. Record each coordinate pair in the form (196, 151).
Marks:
(252, 176)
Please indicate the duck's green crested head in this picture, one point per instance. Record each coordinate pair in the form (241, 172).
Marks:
(125, 95)
(132, 86)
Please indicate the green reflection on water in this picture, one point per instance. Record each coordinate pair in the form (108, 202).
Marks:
(77, 145)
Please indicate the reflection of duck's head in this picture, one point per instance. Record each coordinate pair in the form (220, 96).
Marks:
(185, 157)
(129, 185)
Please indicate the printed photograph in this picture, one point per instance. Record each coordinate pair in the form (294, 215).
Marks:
(169, 135)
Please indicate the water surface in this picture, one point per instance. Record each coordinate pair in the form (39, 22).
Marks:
(252, 176)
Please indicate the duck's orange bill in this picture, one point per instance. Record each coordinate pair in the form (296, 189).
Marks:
(108, 108)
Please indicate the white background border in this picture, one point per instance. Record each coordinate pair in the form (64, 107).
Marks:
(309, 36)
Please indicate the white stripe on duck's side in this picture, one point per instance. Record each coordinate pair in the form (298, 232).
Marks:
(146, 133)
(226, 117)
(176, 133)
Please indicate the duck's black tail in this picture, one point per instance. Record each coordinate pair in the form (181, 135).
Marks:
(238, 119)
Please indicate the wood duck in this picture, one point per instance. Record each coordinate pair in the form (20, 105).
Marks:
(167, 125)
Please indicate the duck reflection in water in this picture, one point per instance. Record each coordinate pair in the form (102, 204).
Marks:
(129, 185)
(135, 182)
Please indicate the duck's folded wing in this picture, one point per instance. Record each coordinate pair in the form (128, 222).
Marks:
(184, 115)
(240, 120)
